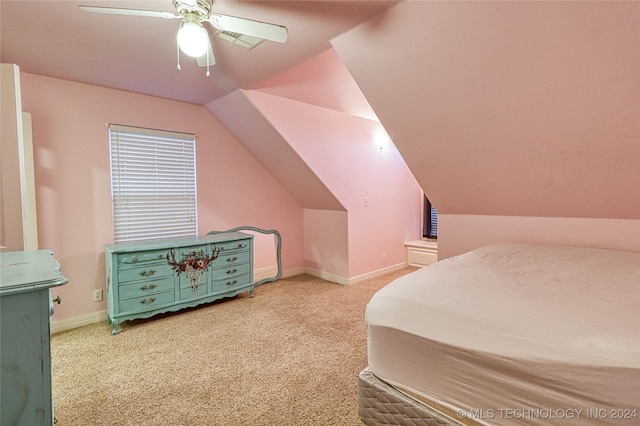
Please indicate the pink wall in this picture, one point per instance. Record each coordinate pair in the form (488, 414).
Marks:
(381, 196)
(511, 109)
(73, 193)
(337, 133)
(314, 130)
(254, 131)
(326, 243)
(322, 81)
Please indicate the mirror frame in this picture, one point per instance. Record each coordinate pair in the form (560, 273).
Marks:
(262, 231)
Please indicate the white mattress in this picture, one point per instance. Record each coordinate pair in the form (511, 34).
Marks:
(516, 334)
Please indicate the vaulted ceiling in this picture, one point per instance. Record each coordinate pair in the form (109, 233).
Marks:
(498, 108)
(139, 54)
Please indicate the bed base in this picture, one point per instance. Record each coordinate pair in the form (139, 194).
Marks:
(382, 404)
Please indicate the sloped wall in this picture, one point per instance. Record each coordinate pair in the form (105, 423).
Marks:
(315, 131)
(511, 109)
(254, 131)
(372, 181)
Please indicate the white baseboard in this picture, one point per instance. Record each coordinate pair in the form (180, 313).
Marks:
(327, 276)
(71, 323)
(377, 273)
(95, 317)
(347, 281)
(75, 322)
(262, 273)
(272, 271)
(293, 272)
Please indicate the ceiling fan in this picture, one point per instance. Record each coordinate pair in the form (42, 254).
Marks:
(193, 38)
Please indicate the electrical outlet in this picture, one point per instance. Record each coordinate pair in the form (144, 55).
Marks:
(97, 295)
(333, 263)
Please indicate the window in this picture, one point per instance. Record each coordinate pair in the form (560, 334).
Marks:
(153, 183)
(430, 229)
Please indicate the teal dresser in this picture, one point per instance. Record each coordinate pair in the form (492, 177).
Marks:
(26, 306)
(151, 277)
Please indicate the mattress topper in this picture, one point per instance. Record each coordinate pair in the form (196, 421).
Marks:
(535, 302)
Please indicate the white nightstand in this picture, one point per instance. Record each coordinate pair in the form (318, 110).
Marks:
(421, 252)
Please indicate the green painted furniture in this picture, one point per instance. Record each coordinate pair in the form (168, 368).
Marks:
(26, 306)
(278, 240)
(151, 277)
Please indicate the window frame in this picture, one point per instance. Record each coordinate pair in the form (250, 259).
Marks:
(430, 220)
(153, 183)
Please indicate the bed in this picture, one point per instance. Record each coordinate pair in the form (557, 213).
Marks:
(507, 334)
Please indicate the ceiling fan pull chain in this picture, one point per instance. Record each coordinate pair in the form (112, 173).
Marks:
(178, 54)
(208, 74)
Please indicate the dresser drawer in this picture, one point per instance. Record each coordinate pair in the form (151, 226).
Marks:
(187, 293)
(145, 288)
(185, 285)
(230, 271)
(144, 272)
(184, 279)
(233, 276)
(132, 259)
(233, 245)
(231, 258)
(151, 277)
(230, 283)
(146, 303)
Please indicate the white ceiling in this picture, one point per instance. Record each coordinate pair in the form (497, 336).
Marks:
(139, 54)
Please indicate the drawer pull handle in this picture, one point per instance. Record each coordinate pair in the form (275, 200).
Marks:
(232, 271)
(232, 259)
(242, 245)
(145, 288)
(147, 273)
(144, 301)
(232, 282)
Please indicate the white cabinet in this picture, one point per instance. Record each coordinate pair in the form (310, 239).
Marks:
(421, 252)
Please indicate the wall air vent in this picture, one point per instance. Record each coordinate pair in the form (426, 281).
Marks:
(246, 41)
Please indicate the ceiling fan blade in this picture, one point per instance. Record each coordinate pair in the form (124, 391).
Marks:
(202, 60)
(132, 12)
(249, 27)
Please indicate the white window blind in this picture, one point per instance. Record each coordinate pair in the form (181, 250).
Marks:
(153, 183)
(433, 222)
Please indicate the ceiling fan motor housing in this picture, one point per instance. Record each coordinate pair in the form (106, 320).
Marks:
(202, 8)
(193, 37)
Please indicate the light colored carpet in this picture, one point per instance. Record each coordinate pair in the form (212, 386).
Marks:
(289, 356)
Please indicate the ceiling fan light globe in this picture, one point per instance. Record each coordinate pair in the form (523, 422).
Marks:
(193, 39)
